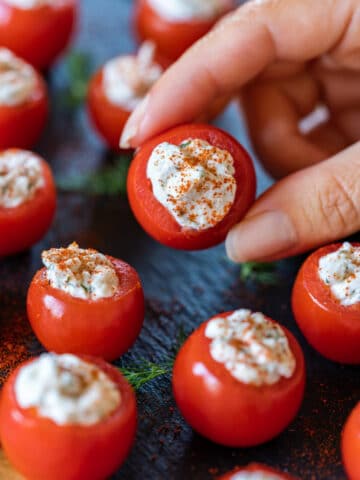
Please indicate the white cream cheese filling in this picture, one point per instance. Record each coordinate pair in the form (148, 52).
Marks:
(21, 176)
(82, 273)
(194, 181)
(255, 476)
(67, 390)
(188, 10)
(31, 4)
(17, 79)
(340, 270)
(252, 348)
(127, 79)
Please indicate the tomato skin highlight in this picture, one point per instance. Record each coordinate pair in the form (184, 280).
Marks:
(105, 328)
(331, 328)
(108, 119)
(23, 226)
(350, 444)
(157, 221)
(42, 450)
(256, 468)
(225, 410)
(38, 35)
(171, 38)
(22, 125)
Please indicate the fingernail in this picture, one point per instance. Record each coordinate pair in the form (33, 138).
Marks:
(261, 236)
(132, 126)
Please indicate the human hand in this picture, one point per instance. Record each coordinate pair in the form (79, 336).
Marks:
(284, 57)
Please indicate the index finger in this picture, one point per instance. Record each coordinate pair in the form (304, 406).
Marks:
(237, 50)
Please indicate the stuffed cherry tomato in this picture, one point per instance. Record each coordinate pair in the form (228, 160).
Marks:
(351, 444)
(37, 30)
(27, 200)
(174, 25)
(84, 302)
(239, 379)
(64, 417)
(326, 301)
(255, 471)
(118, 88)
(190, 185)
(23, 102)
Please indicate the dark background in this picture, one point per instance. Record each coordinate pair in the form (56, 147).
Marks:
(182, 290)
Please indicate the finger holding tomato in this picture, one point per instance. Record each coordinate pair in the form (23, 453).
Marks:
(27, 200)
(190, 185)
(174, 25)
(37, 30)
(23, 102)
(350, 444)
(64, 417)
(84, 302)
(256, 471)
(326, 301)
(118, 88)
(239, 379)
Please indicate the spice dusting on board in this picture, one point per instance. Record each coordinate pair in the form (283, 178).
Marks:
(14, 340)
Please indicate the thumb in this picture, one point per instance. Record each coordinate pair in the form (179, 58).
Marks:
(314, 206)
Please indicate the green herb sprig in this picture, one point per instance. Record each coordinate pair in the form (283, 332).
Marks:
(259, 272)
(108, 181)
(78, 70)
(143, 371)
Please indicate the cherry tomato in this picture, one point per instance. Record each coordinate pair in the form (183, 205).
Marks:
(22, 125)
(225, 410)
(40, 449)
(108, 118)
(106, 327)
(156, 219)
(351, 444)
(171, 38)
(23, 226)
(331, 328)
(258, 469)
(39, 35)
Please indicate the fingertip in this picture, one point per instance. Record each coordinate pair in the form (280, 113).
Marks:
(230, 246)
(267, 235)
(134, 125)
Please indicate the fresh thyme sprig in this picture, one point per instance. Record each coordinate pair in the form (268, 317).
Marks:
(78, 69)
(259, 272)
(109, 181)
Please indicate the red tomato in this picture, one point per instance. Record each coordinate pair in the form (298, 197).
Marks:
(259, 469)
(22, 125)
(351, 444)
(106, 327)
(40, 449)
(109, 119)
(156, 219)
(23, 226)
(39, 34)
(171, 38)
(226, 410)
(331, 328)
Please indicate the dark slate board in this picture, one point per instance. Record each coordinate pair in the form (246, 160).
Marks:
(182, 289)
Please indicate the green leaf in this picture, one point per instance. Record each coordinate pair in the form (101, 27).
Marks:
(144, 371)
(259, 272)
(78, 71)
(108, 181)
